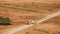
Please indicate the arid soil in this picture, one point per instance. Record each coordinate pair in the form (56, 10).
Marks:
(50, 26)
(19, 13)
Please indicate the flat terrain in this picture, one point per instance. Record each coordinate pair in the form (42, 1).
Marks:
(50, 26)
(20, 12)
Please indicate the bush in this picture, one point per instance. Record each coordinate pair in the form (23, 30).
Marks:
(27, 33)
(30, 10)
(59, 32)
(5, 21)
(1, 18)
(25, 5)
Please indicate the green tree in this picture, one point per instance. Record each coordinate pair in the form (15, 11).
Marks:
(1, 18)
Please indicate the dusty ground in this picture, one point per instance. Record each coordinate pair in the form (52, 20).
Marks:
(20, 12)
(51, 26)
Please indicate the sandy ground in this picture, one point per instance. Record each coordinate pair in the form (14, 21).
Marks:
(43, 28)
(51, 28)
(20, 28)
(19, 17)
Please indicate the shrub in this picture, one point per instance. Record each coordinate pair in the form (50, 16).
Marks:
(25, 5)
(1, 18)
(50, 9)
(31, 10)
(53, 33)
(5, 21)
(27, 33)
(59, 32)
(43, 31)
(34, 29)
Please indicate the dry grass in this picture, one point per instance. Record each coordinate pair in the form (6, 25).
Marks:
(32, 11)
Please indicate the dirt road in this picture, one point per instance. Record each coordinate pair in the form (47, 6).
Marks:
(20, 28)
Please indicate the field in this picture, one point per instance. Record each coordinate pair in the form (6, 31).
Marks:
(20, 12)
(50, 26)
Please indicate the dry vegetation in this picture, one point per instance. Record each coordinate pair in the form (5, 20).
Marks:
(50, 26)
(19, 13)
